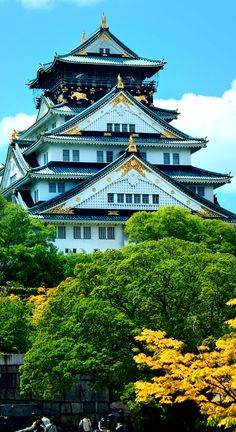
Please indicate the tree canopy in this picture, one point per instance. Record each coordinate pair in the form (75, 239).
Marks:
(178, 222)
(26, 249)
(90, 322)
(208, 378)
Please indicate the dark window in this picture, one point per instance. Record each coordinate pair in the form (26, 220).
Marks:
(109, 127)
(66, 155)
(75, 155)
(155, 199)
(45, 158)
(87, 233)
(145, 198)
(110, 197)
(143, 155)
(137, 198)
(120, 197)
(132, 127)
(128, 198)
(61, 232)
(102, 233)
(117, 127)
(111, 233)
(109, 156)
(176, 158)
(166, 158)
(201, 191)
(61, 187)
(74, 250)
(124, 127)
(52, 187)
(99, 156)
(107, 50)
(77, 232)
(101, 50)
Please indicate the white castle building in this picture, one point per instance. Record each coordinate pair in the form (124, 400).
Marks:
(99, 149)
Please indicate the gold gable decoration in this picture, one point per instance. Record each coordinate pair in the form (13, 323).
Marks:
(121, 99)
(83, 37)
(61, 210)
(104, 36)
(13, 136)
(120, 83)
(133, 164)
(205, 213)
(167, 135)
(73, 131)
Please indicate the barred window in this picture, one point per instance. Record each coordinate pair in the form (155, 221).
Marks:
(109, 127)
(102, 233)
(128, 198)
(137, 198)
(145, 198)
(77, 232)
(166, 158)
(110, 233)
(99, 156)
(120, 197)
(66, 155)
(110, 197)
(106, 233)
(87, 233)
(124, 127)
(61, 232)
(52, 187)
(117, 127)
(109, 156)
(61, 187)
(155, 199)
(176, 158)
(132, 128)
(75, 155)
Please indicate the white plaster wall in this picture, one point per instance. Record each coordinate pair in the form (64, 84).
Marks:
(155, 155)
(43, 188)
(90, 244)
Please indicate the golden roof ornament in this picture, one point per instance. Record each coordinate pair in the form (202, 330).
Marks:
(132, 146)
(13, 136)
(104, 21)
(83, 37)
(120, 83)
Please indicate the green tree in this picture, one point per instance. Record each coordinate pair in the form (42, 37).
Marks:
(91, 321)
(27, 249)
(15, 328)
(178, 222)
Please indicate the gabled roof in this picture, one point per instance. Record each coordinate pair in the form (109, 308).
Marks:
(84, 185)
(114, 93)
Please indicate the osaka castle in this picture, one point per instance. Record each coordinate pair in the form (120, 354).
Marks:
(100, 149)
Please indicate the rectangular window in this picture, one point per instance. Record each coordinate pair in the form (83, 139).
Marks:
(107, 50)
(102, 233)
(143, 155)
(110, 197)
(124, 127)
(166, 158)
(176, 158)
(61, 232)
(54, 125)
(75, 155)
(145, 198)
(155, 199)
(117, 127)
(128, 198)
(109, 127)
(137, 198)
(101, 50)
(52, 187)
(132, 128)
(77, 232)
(36, 195)
(61, 187)
(99, 156)
(87, 233)
(120, 198)
(45, 158)
(111, 233)
(66, 155)
(201, 191)
(109, 156)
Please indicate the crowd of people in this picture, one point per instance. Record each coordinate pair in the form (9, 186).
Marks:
(107, 423)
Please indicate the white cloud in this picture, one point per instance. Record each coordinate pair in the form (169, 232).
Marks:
(214, 117)
(20, 122)
(48, 4)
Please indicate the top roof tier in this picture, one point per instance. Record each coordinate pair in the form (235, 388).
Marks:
(101, 49)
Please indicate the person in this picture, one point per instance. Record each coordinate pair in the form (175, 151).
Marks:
(45, 421)
(51, 426)
(85, 424)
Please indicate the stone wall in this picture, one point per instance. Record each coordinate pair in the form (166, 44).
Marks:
(69, 409)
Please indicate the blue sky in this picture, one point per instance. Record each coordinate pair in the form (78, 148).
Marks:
(197, 39)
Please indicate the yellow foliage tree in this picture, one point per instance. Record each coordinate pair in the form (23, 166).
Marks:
(208, 378)
(40, 302)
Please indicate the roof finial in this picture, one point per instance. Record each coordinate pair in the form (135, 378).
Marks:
(13, 136)
(132, 145)
(104, 21)
(83, 37)
(120, 83)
